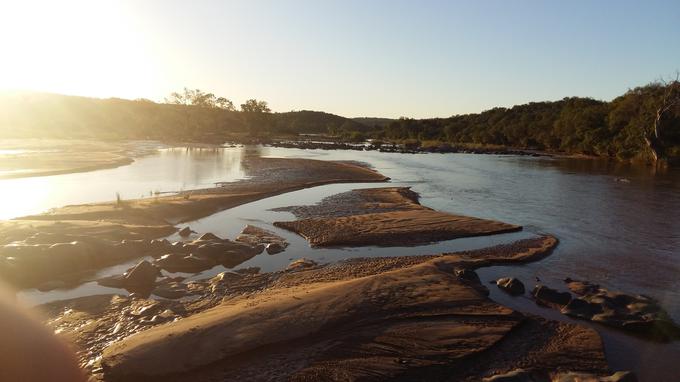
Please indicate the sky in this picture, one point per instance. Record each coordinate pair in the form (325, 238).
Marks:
(353, 58)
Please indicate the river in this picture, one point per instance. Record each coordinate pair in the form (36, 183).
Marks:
(618, 225)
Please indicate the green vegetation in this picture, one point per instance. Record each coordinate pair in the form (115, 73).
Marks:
(572, 125)
(643, 123)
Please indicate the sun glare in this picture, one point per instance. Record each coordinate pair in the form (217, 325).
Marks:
(93, 48)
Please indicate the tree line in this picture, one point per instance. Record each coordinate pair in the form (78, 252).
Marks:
(643, 123)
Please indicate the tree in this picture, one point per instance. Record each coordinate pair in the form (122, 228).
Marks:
(200, 99)
(177, 98)
(196, 97)
(670, 101)
(255, 106)
(224, 104)
(256, 115)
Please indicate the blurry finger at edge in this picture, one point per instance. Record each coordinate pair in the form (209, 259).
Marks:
(29, 351)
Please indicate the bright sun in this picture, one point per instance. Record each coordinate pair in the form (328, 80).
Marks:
(94, 48)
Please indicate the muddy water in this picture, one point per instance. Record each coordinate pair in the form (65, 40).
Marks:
(618, 225)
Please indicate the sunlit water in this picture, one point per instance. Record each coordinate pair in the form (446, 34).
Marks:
(617, 224)
(170, 170)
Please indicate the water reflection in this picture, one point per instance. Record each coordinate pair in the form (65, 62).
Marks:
(169, 170)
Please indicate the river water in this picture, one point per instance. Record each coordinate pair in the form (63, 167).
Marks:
(618, 225)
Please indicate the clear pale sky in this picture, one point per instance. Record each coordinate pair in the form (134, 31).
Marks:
(353, 58)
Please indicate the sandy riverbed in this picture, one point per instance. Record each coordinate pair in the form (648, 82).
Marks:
(383, 216)
(26, 260)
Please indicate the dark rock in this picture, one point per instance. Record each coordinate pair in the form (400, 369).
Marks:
(470, 277)
(142, 275)
(466, 274)
(209, 237)
(255, 237)
(186, 231)
(175, 262)
(581, 308)
(214, 251)
(549, 296)
(274, 248)
(510, 285)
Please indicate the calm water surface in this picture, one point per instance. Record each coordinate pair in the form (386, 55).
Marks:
(171, 169)
(618, 225)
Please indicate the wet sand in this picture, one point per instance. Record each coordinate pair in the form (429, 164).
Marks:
(383, 216)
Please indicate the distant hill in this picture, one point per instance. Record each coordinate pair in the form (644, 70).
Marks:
(373, 121)
(24, 115)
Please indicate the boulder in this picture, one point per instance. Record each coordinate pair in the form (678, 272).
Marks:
(185, 232)
(470, 277)
(510, 285)
(209, 237)
(255, 237)
(274, 248)
(549, 296)
(175, 262)
(634, 313)
(580, 308)
(142, 275)
(467, 275)
(301, 265)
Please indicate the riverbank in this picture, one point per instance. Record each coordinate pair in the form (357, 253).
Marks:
(384, 317)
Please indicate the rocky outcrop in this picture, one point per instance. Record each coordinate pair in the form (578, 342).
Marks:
(36, 262)
(255, 236)
(176, 262)
(551, 297)
(510, 285)
(634, 313)
(185, 232)
(404, 323)
(142, 275)
(301, 265)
